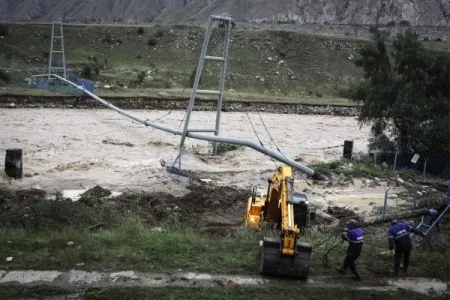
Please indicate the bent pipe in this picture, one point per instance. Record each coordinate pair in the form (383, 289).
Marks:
(213, 138)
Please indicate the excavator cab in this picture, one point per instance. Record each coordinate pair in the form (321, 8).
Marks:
(281, 208)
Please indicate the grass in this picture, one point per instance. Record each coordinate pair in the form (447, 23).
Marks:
(133, 245)
(213, 293)
(260, 293)
(350, 169)
(129, 246)
(261, 63)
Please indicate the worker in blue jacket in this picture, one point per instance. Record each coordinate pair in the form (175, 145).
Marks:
(354, 235)
(399, 238)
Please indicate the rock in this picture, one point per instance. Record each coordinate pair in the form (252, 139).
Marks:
(12, 105)
(9, 259)
(156, 229)
(79, 264)
(70, 244)
(399, 180)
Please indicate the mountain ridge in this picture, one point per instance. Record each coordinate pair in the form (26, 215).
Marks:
(365, 12)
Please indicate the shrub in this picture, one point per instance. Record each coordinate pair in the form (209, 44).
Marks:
(4, 30)
(152, 42)
(140, 77)
(391, 24)
(4, 76)
(87, 72)
(140, 30)
(405, 23)
(343, 92)
(159, 34)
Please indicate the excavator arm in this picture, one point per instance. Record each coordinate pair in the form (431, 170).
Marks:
(284, 256)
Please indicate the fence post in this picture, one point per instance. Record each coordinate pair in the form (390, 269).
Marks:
(425, 168)
(448, 192)
(385, 203)
(395, 161)
(430, 196)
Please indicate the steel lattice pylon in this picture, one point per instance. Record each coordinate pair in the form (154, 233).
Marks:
(57, 48)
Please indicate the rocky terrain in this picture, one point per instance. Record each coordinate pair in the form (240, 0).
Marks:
(416, 13)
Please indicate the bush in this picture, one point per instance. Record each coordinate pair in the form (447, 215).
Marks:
(159, 34)
(4, 76)
(152, 42)
(140, 30)
(87, 72)
(224, 147)
(4, 30)
(343, 92)
(405, 23)
(140, 77)
(391, 24)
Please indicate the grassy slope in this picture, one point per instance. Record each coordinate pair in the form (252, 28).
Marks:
(271, 63)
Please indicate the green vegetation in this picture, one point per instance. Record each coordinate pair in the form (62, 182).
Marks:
(4, 77)
(213, 293)
(262, 64)
(350, 169)
(224, 147)
(405, 93)
(131, 245)
(241, 293)
(38, 292)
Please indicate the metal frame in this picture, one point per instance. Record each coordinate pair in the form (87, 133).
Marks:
(57, 36)
(226, 21)
(206, 137)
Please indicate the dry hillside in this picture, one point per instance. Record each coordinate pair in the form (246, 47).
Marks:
(417, 12)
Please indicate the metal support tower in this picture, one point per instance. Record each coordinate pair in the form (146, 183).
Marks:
(57, 48)
(226, 23)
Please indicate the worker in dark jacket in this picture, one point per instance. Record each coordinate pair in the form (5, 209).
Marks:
(399, 238)
(354, 235)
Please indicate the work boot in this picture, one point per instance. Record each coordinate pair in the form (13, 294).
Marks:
(340, 270)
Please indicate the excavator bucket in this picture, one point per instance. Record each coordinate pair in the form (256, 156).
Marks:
(274, 263)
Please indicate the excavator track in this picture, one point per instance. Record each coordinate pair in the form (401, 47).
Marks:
(273, 263)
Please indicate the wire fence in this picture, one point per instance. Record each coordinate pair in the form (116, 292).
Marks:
(44, 83)
(417, 203)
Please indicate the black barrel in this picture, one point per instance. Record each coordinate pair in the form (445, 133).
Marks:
(13, 163)
(348, 149)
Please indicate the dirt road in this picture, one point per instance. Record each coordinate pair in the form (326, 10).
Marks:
(81, 280)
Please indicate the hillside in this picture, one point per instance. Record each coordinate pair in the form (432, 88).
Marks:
(382, 12)
(274, 63)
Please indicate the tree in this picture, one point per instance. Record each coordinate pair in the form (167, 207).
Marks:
(405, 93)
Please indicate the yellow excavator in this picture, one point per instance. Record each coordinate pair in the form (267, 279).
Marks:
(283, 209)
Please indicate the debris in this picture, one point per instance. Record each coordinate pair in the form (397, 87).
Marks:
(114, 142)
(70, 244)
(9, 259)
(157, 229)
(96, 191)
